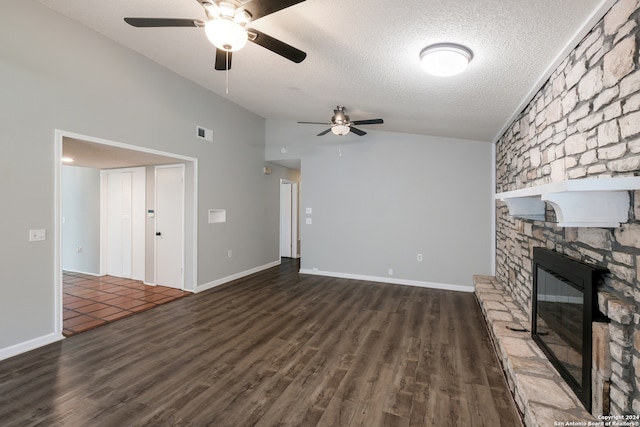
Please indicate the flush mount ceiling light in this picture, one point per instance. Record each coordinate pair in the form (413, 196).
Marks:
(445, 59)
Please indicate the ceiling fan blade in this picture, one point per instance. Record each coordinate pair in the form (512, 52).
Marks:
(223, 62)
(163, 22)
(357, 131)
(276, 46)
(314, 123)
(260, 8)
(324, 132)
(367, 122)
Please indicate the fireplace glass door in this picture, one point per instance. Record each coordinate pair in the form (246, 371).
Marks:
(559, 321)
(564, 306)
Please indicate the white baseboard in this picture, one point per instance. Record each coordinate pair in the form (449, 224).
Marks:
(444, 286)
(29, 345)
(83, 272)
(206, 286)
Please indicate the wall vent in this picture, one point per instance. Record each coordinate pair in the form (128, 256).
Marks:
(204, 133)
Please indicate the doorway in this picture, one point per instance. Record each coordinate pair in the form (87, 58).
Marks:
(98, 154)
(289, 246)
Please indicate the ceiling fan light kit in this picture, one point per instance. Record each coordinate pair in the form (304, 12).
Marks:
(226, 27)
(341, 124)
(445, 59)
(340, 130)
(226, 34)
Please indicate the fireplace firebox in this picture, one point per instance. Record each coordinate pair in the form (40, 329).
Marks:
(564, 307)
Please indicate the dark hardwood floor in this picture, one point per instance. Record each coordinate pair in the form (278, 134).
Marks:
(273, 349)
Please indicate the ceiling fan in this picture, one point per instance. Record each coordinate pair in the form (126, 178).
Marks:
(226, 27)
(341, 124)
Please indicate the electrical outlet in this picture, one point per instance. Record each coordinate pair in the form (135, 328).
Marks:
(419, 257)
(309, 221)
(391, 272)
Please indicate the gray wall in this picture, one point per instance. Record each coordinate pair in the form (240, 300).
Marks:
(381, 199)
(57, 74)
(81, 219)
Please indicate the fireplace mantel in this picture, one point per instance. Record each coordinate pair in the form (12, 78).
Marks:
(589, 202)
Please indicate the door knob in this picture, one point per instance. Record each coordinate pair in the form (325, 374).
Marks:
(158, 233)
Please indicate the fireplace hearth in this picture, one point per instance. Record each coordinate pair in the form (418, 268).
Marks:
(564, 307)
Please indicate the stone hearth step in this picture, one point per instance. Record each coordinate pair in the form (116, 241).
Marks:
(539, 391)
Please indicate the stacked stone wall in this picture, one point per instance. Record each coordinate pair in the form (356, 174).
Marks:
(583, 123)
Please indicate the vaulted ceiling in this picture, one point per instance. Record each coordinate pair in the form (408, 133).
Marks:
(364, 54)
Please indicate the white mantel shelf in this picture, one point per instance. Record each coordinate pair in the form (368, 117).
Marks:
(589, 202)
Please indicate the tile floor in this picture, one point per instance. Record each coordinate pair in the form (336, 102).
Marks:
(91, 301)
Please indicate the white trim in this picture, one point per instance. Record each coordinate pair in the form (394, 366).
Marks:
(591, 21)
(57, 238)
(83, 272)
(29, 345)
(222, 281)
(421, 284)
(192, 285)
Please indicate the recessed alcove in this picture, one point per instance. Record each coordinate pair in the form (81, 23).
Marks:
(590, 202)
(217, 216)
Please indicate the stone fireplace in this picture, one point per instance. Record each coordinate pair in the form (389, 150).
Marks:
(583, 124)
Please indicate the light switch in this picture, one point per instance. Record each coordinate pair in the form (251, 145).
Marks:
(308, 221)
(308, 211)
(37, 235)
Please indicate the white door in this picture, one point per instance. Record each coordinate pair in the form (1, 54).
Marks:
(288, 219)
(169, 226)
(124, 222)
(286, 247)
(119, 224)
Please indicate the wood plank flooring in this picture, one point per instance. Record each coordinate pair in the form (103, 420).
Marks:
(272, 349)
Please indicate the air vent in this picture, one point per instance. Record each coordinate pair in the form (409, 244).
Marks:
(204, 133)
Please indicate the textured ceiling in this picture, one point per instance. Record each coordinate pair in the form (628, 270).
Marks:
(364, 54)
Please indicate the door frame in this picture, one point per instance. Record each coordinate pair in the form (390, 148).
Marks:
(190, 217)
(295, 222)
